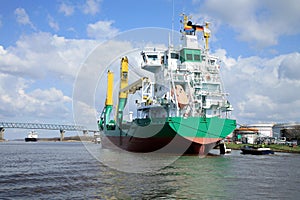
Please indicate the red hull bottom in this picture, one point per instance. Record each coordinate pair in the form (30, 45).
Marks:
(177, 145)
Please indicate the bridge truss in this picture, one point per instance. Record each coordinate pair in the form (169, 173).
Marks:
(42, 126)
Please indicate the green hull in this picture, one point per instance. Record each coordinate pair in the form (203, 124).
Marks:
(200, 127)
(192, 135)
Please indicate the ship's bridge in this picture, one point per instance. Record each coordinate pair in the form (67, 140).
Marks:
(171, 59)
(190, 55)
(190, 59)
(152, 59)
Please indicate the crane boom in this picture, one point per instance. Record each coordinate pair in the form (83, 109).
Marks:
(122, 95)
(105, 115)
(137, 85)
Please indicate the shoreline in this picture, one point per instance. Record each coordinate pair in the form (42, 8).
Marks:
(274, 147)
(233, 146)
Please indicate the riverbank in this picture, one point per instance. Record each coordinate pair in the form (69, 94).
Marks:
(274, 147)
(68, 139)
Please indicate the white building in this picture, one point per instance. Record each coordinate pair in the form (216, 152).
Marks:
(264, 130)
(249, 133)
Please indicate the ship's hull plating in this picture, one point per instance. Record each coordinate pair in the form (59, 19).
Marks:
(194, 135)
(30, 139)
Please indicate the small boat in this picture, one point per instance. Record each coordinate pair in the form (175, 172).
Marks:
(227, 150)
(31, 137)
(256, 150)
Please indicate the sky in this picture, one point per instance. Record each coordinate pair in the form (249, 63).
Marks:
(44, 46)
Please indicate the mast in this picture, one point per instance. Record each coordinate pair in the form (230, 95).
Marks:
(206, 33)
(190, 29)
(185, 19)
(172, 42)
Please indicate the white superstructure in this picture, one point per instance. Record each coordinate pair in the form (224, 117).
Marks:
(187, 79)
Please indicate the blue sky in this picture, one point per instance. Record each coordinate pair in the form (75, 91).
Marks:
(44, 43)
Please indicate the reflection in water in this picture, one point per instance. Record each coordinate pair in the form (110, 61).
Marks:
(67, 170)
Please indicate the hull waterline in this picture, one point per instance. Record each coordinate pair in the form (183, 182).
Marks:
(174, 145)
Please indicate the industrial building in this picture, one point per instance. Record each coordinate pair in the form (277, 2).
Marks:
(250, 133)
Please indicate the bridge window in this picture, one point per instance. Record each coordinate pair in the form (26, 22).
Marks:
(174, 55)
(212, 62)
(153, 57)
(190, 55)
(197, 57)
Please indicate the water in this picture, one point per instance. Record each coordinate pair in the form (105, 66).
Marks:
(61, 170)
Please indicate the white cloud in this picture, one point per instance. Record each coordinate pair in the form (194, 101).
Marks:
(23, 18)
(86, 115)
(91, 7)
(35, 73)
(258, 22)
(229, 62)
(17, 101)
(101, 30)
(41, 54)
(53, 24)
(289, 67)
(263, 89)
(68, 10)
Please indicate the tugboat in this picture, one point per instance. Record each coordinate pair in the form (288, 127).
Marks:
(183, 110)
(31, 137)
(256, 150)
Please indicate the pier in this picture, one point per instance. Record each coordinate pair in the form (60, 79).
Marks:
(35, 126)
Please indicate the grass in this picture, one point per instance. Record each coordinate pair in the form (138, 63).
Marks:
(274, 147)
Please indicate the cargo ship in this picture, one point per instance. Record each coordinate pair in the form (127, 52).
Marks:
(184, 109)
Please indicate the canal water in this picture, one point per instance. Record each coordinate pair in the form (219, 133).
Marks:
(64, 170)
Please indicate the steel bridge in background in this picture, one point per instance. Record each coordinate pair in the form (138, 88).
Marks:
(34, 126)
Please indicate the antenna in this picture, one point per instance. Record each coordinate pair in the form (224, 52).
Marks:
(206, 35)
(172, 37)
